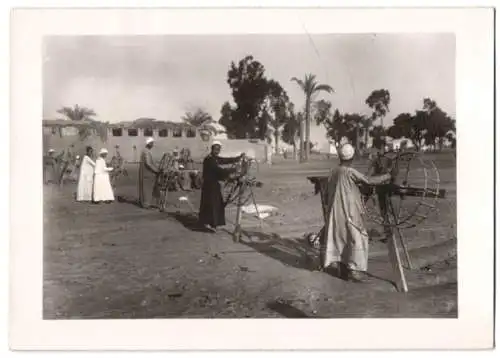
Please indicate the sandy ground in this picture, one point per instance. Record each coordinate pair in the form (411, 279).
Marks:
(120, 261)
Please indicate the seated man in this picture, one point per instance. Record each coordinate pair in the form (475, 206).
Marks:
(182, 175)
(50, 170)
(193, 176)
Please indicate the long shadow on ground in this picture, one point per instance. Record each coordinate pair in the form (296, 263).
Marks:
(188, 220)
(286, 310)
(295, 253)
(292, 253)
(128, 200)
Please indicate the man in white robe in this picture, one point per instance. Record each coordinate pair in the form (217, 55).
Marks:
(86, 177)
(345, 245)
(103, 192)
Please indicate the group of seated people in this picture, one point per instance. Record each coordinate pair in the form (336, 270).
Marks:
(58, 168)
(188, 176)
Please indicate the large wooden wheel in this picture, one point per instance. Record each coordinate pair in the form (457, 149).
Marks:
(165, 179)
(412, 195)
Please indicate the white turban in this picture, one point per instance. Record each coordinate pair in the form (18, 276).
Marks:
(149, 140)
(216, 142)
(103, 151)
(346, 152)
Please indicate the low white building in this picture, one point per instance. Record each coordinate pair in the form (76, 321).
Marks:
(217, 130)
(396, 144)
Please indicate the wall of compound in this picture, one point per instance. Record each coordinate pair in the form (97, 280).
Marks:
(130, 147)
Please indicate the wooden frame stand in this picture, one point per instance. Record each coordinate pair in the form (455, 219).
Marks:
(395, 257)
(239, 204)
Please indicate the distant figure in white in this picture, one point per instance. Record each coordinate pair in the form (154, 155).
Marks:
(103, 192)
(86, 177)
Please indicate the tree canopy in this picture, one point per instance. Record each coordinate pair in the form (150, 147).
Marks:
(379, 101)
(260, 103)
(291, 128)
(249, 88)
(197, 117)
(81, 114)
(429, 125)
(77, 113)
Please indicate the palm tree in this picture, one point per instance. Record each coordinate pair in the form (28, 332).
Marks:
(84, 114)
(77, 113)
(310, 88)
(275, 112)
(197, 118)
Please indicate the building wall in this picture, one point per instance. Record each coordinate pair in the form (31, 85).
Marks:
(130, 147)
(58, 143)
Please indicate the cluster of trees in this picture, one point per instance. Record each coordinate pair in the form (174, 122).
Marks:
(427, 126)
(262, 110)
(261, 103)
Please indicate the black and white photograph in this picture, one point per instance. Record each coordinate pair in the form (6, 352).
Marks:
(245, 176)
(179, 185)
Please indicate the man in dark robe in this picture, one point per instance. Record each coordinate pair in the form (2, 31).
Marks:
(212, 211)
(146, 166)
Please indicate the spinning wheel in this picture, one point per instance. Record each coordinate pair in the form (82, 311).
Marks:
(236, 188)
(411, 197)
(165, 179)
(66, 161)
(118, 165)
(405, 202)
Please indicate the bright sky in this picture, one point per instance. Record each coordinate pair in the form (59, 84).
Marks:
(124, 78)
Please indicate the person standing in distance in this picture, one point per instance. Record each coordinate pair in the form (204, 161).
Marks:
(146, 165)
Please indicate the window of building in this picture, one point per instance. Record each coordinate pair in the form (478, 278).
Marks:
(177, 132)
(191, 133)
(163, 133)
(117, 132)
(148, 132)
(132, 132)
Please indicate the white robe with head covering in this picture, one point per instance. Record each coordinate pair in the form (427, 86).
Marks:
(85, 180)
(102, 184)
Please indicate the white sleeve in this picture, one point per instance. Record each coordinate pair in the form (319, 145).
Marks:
(90, 161)
(98, 166)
